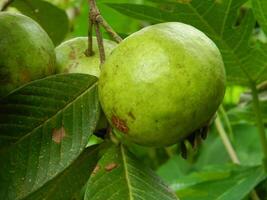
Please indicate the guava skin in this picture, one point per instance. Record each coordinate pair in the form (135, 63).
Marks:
(71, 56)
(162, 83)
(26, 52)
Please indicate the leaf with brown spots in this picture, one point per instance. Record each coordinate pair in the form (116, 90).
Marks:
(96, 169)
(125, 177)
(58, 135)
(31, 131)
(111, 166)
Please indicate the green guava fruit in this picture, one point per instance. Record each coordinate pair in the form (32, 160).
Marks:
(71, 56)
(26, 52)
(162, 83)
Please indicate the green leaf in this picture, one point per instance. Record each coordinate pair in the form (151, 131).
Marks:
(242, 114)
(245, 113)
(244, 63)
(220, 183)
(246, 143)
(177, 167)
(71, 180)
(119, 175)
(260, 12)
(53, 19)
(44, 126)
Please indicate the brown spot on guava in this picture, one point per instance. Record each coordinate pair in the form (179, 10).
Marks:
(25, 76)
(120, 124)
(130, 114)
(96, 169)
(72, 55)
(66, 70)
(75, 65)
(50, 66)
(58, 135)
(111, 166)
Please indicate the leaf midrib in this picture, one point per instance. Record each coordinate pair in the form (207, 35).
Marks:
(127, 177)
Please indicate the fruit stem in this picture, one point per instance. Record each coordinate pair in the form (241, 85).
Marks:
(95, 20)
(108, 28)
(6, 4)
(89, 51)
(93, 12)
(259, 122)
(93, 23)
(227, 122)
(226, 141)
(100, 43)
(231, 151)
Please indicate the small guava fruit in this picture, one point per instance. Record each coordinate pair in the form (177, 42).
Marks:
(71, 56)
(162, 83)
(26, 52)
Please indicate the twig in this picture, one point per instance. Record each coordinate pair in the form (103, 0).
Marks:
(95, 20)
(93, 12)
(108, 28)
(6, 4)
(89, 51)
(100, 43)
